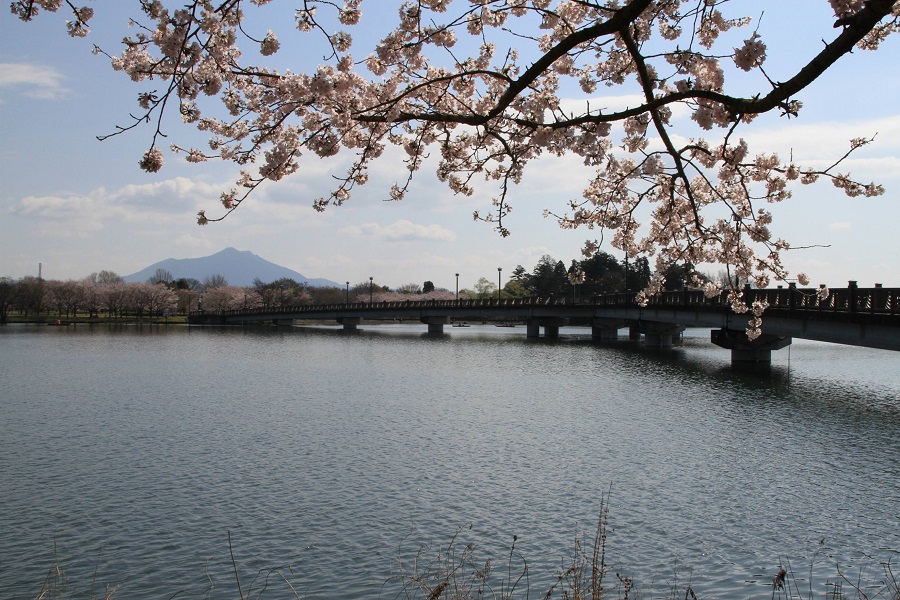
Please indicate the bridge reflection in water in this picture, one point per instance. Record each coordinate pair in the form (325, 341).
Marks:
(857, 316)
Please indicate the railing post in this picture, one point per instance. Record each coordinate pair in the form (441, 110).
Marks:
(875, 302)
(852, 296)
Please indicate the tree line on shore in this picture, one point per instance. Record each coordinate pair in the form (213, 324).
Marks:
(105, 293)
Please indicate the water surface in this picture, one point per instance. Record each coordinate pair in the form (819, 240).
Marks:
(128, 453)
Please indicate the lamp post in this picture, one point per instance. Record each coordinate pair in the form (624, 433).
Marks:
(499, 270)
(737, 228)
(348, 293)
(576, 276)
(625, 283)
(370, 290)
(457, 287)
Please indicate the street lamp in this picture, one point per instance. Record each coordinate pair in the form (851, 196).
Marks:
(576, 276)
(348, 293)
(370, 290)
(457, 287)
(499, 269)
(737, 228)
(625, 283)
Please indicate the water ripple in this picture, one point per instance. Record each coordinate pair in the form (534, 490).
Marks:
(133, 453)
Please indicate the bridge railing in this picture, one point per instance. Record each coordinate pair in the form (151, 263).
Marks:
(388, 305)
(877, 300)
(852, 299)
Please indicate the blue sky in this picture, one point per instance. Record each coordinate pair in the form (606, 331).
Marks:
(77, 205)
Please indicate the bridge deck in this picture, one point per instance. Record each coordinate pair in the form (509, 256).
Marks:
(865, 317)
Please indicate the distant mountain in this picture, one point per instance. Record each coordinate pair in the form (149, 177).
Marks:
(239, 267)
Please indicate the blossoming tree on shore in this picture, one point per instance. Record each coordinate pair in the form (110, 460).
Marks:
(487, 86)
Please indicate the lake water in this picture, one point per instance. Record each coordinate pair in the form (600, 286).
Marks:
(128, 454)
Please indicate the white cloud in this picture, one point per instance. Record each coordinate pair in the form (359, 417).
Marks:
(150, 203)
(811, 141)
(38, 81)
(401, 231)
(840, 225)
(178, 186)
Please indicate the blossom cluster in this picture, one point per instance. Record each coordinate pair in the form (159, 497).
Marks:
(28, 9)
(751, 54)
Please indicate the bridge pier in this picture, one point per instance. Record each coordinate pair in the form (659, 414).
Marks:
(551, 327)
(660, 335)
(436, 324)
(349, 323)
(745, 351)
(604, 330)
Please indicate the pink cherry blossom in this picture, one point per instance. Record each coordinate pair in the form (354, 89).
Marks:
(152, 160)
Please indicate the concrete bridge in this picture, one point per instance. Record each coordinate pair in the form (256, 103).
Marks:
(856, 316)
